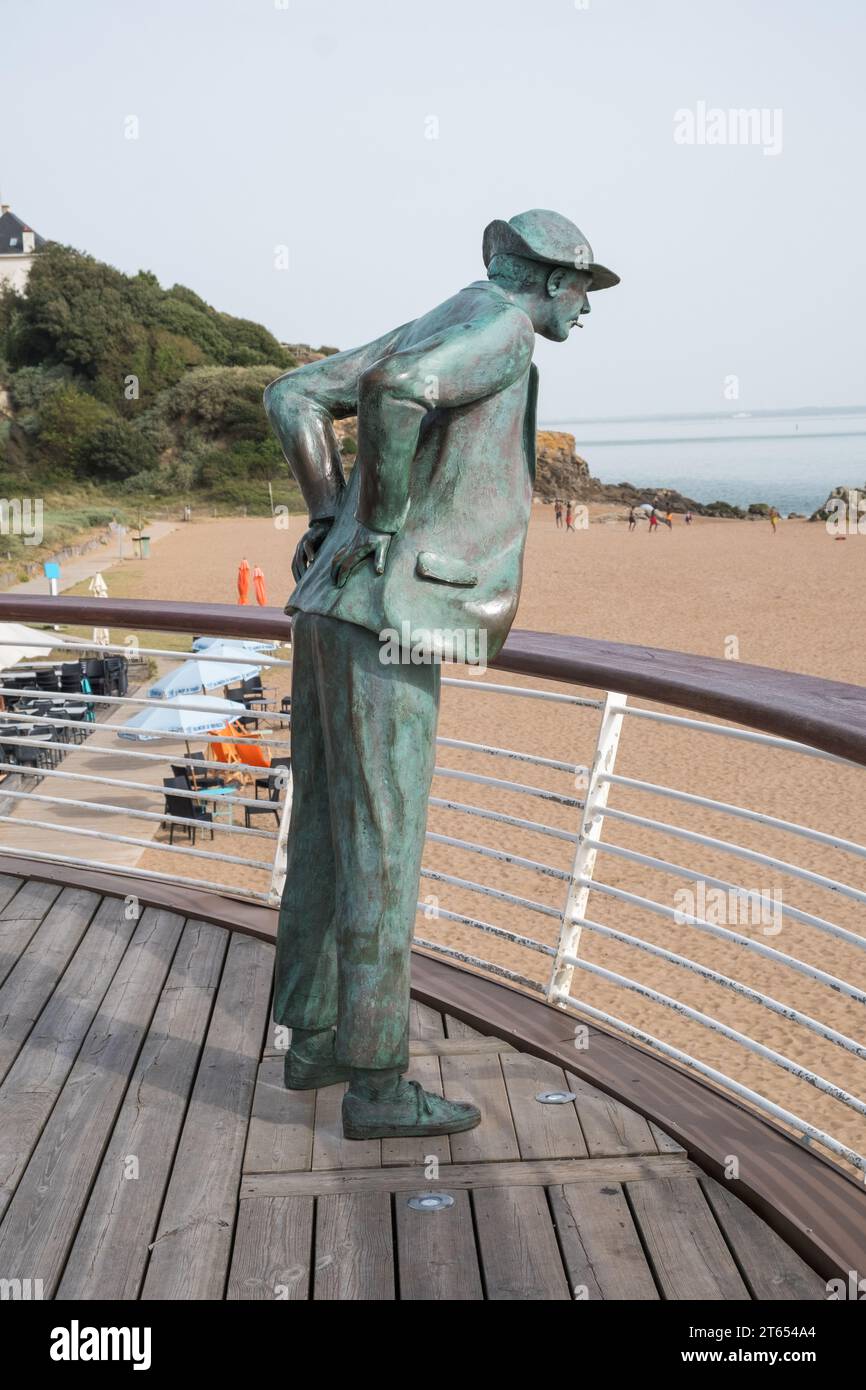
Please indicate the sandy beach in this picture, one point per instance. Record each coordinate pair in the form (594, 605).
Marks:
(789, 600)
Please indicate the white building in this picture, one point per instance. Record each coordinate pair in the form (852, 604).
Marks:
(18, 244)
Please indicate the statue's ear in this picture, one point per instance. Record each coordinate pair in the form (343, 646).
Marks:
(555, 280)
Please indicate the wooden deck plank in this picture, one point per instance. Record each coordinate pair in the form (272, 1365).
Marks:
(664, 1143)
(273, 1249)
(417, 1153)
(270, 1048)
(477, 1077)
(609, 1127)
(543, 1131)
(43, 1215)
(600, 1244)
(424, 1022)
(330, 1148)
(772, 1270)
(35, 1079)
(455, 1047)
(191, 1252)
(32, 979)
(354, 1257)
(110, 1252)
(18, 922)
(454, 1028)
(688, 1254)
(461, 1175)
(436, 1255)
(519, 1253)
(280, 1138)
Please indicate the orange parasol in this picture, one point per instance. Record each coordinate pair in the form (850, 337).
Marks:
(259, 586)
(243, 581)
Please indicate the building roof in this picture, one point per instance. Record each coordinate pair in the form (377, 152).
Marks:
(12, 231)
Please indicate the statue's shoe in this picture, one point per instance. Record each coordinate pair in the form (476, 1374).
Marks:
(411, 1113)
(314, 1066)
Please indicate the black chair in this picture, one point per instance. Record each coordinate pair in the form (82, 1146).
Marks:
(254, 691)
(236, 693)
(185, 807)
(271, 807)
(48, 678)
(71, 677)
(94, 672)
(197, 781)
(27, 754)
(286, 704)
(79, 711)
(266, 781)
(8, 754)
(116, 675)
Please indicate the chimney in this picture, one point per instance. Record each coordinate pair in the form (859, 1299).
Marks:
(28, 241)
(4, 208)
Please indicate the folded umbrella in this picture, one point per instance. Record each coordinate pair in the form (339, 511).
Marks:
(243, 581)
(259, 586)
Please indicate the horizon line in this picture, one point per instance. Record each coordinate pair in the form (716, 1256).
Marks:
(788, 412)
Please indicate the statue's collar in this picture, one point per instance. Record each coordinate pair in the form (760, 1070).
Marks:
(501, 294)
(488, 285)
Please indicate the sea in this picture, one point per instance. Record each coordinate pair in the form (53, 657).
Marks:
(790, 459)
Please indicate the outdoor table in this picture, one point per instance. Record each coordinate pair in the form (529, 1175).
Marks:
(224, 812)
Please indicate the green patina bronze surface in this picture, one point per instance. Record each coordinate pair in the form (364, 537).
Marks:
(425, 542)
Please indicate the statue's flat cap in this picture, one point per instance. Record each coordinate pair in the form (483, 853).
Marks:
(541, 235)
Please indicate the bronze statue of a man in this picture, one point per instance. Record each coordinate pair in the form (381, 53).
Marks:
(425, 540)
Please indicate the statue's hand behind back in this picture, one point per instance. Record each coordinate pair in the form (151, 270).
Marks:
(308, 546)
(363, 542)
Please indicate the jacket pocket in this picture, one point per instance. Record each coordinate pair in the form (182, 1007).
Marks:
(444, 569)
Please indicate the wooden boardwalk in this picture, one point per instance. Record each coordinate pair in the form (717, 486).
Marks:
(149, 1150)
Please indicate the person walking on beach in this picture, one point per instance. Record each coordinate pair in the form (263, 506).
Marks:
(669, 520)
(653, 521)
(774, 517)
(557, 507)
(632, 519)
(688, 518)
(569, 517)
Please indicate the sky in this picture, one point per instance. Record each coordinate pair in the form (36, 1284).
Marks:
(327, 168)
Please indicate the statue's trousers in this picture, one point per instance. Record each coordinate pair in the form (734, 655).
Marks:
(363, 748)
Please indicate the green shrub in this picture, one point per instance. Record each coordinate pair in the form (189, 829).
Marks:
(114, 450)
(68, 417)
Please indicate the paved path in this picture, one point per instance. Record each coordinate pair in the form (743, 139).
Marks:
(96, 561)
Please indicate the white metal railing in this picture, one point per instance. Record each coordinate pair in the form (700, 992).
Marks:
(563, 930)
(99, 741)
(568, 956)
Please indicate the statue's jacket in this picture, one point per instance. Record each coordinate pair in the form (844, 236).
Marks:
(446, 463)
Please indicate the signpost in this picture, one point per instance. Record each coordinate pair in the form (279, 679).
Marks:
(52, 574)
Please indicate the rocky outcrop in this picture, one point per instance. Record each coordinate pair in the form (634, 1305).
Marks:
(845, 495)
(559, 469)
(561, 472)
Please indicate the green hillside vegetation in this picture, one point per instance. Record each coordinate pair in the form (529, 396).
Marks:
(121, 391)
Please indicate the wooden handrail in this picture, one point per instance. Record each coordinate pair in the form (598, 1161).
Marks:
(829, 715)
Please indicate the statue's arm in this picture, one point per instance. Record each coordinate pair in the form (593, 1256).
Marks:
(463, 364)
(302, 405)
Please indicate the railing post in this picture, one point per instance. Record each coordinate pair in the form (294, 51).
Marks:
(278, 875)
(592, 820)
